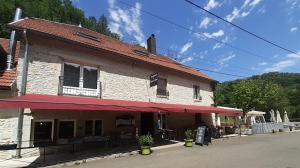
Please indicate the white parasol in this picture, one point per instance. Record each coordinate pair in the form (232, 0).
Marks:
(286, 117)
(278, 117)
(272, 116)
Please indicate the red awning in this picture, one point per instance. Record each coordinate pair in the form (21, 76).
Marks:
(36, 101)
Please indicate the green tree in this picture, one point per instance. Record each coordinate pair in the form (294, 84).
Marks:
(55, 10)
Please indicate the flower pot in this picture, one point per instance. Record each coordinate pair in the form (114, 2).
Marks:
(188, 142)
(145, 150)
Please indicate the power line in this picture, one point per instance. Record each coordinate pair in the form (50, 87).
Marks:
(207, 70)
(202, 59)
(193, 31)
(243, 29)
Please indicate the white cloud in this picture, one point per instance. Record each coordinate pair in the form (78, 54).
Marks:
(186, 47)
(211, 4)
(262, 10)
(219, 45)
(289, 60)
(224, 62)
(262, 63)
(126, 21)
(185, 60)
(214, 34)
(293, 29)
(205, 22)
(243, 11)
(226, 59)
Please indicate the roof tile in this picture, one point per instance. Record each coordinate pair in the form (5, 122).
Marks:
(69, 32)
(7, 77)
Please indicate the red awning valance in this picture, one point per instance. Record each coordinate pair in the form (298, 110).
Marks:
(35, 101)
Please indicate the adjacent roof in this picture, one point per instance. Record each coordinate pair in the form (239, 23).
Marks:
(38, 101)
(96, 40)
(7, 78)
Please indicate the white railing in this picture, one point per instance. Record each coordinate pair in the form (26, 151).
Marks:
(78, 91)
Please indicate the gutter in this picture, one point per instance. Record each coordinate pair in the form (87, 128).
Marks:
(22, 93)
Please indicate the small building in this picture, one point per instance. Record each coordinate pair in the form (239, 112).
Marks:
(255, 117)
(84, 85)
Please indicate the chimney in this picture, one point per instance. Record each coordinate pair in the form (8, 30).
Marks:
(12, 42)
(151, 44)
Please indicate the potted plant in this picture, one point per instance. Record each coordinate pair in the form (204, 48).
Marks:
(145, 142)
(189, 135)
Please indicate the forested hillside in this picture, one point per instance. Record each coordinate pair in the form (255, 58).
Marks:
(263, 92)
(56, 10)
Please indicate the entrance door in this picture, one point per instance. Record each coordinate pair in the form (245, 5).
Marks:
(147, 123)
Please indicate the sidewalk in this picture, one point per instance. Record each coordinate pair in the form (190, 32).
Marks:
(68, 158)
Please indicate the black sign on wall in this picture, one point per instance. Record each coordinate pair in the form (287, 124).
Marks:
(153, 79)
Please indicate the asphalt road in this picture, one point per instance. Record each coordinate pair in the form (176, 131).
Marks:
(281, 150)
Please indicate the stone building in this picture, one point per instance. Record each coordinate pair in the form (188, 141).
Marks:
(84, 85)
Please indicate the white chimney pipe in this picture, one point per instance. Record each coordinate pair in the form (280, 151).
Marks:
(12, 42)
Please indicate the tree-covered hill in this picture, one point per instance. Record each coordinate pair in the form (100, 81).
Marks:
(278, 91)
(55, 10)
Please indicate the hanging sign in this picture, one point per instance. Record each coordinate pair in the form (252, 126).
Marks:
(153, 79)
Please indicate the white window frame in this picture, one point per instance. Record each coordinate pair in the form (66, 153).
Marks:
(44, 120)
(81, 90)
(199, 92)
(62, 120)
(94, 121)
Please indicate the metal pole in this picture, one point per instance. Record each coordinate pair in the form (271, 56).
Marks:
(12, 42)
(22, 92)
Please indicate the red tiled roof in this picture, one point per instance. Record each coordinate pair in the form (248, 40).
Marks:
(69, 32)
(7, 77)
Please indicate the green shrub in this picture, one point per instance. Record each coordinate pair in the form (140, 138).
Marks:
(146, 140)
(189, 134)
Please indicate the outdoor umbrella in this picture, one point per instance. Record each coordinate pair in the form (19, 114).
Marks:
(278, 117)
(272, 116)
(218, 122)
(286, 117)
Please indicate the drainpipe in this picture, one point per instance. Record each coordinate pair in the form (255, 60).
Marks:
(12, 42)
(22, 92)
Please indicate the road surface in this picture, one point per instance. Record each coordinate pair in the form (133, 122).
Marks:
(280, 150)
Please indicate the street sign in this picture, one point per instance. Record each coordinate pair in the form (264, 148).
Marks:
(153, 79)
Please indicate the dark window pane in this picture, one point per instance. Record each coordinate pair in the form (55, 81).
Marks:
(98, 127)
(162, 84)
(42, 131)
(162, 87)
(196, 92)
(90, 78)
(71, 75)
(66, 129)
(89, 127)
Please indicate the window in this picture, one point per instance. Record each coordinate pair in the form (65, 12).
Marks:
(162, 121)
(80, 81)
(43, 131)
(89, 127)
(98, 127)
(90, 76)
(66, 129)
(71, 75)
(162, 87)
(196, 92)
(93, 128)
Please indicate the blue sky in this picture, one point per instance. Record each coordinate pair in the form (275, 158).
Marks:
(278, 21)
